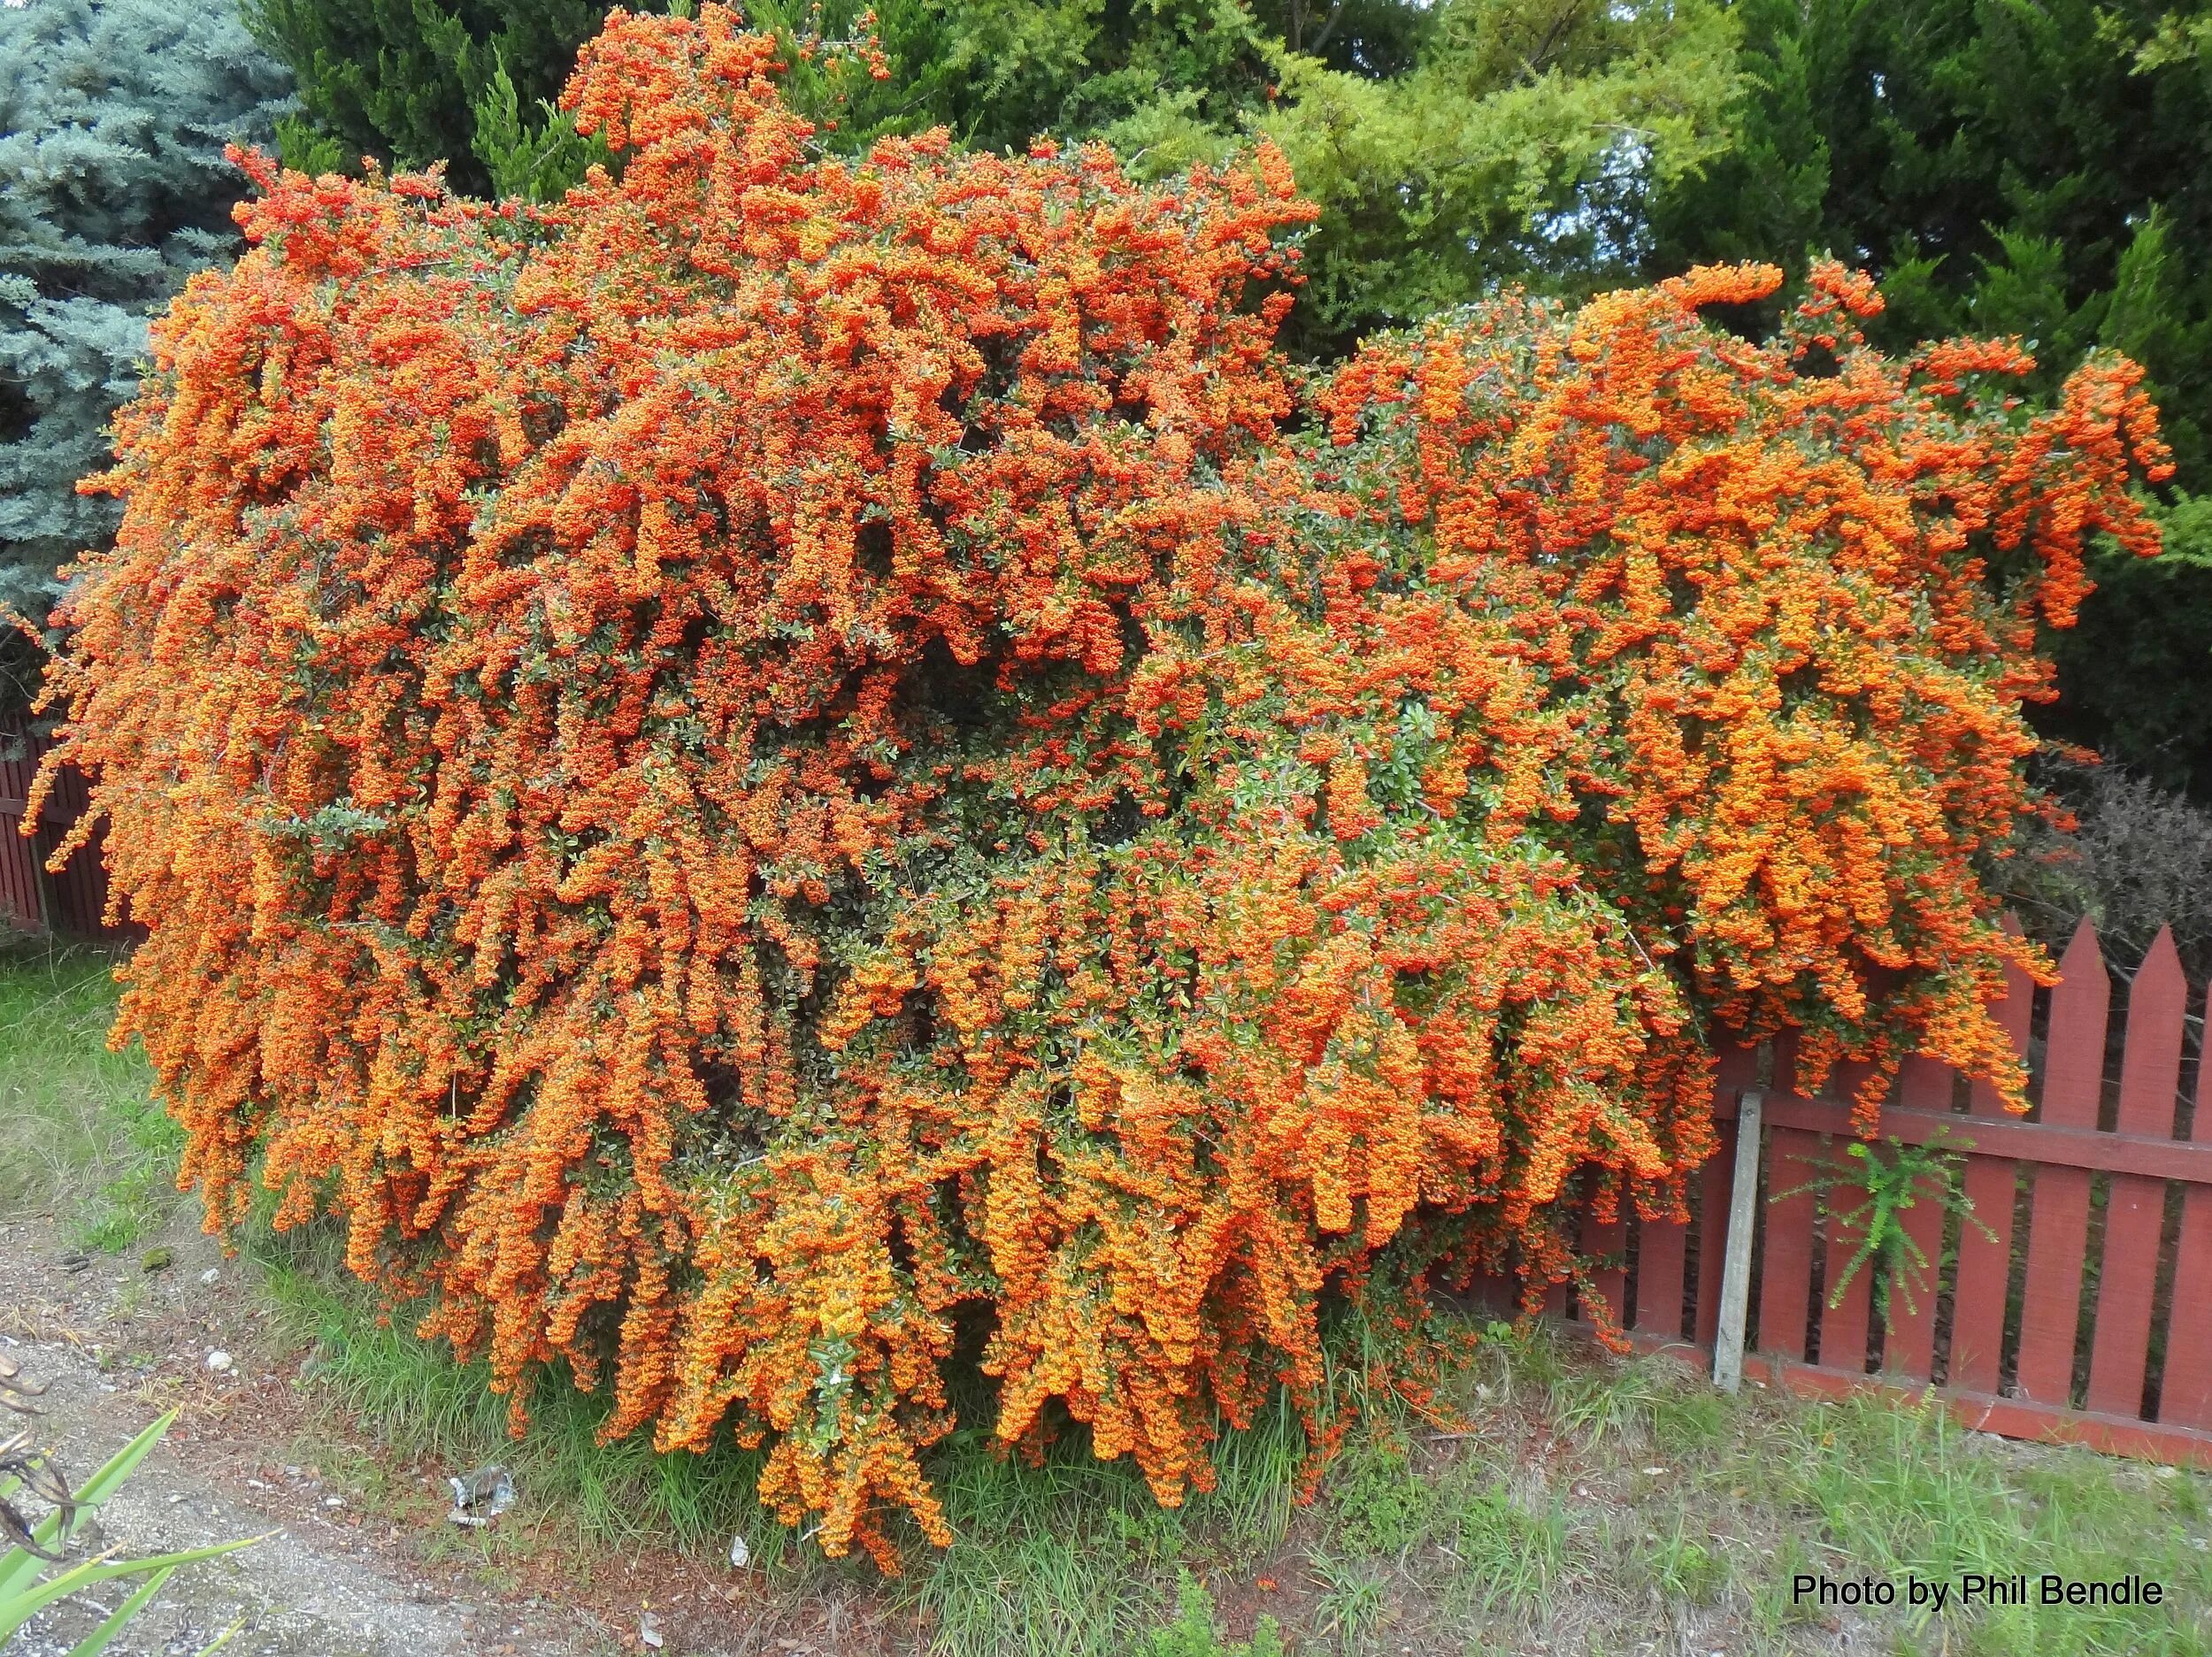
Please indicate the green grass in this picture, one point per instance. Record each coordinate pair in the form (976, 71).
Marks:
(1656, 1492)
(1756, 1488)
(1877, 1487)
(412, 1400)
(1583, 1504)
(1083, 1538)
(85, 1143)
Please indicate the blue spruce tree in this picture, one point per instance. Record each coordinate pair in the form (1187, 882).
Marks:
(113, 188)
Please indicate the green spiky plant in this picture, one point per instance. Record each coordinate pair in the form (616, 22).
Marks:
(1889, 1183)
(25, 1588)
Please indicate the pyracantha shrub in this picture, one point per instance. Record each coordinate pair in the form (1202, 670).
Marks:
(791, 756)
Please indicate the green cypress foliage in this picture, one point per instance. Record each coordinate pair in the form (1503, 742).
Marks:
(1452, 145)
(1523, 143)
(2041, 167)
(407, 82)
(113, 187)
(537, 159)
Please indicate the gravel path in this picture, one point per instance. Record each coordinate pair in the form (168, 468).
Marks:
(115, 1346)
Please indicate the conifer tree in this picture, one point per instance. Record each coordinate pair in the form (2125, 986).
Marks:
(113, 187)
(403, 80)
(1523, 144)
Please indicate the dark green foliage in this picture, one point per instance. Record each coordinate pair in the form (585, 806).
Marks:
(401, 79)
(113, 188)
(410, 81)
(2136, 674)
(1763, 198)
(2032, 166)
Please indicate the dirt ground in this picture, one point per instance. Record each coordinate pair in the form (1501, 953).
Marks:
(116, 1345)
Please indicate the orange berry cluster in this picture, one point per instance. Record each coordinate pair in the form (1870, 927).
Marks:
(1777, 604)
(791, 757)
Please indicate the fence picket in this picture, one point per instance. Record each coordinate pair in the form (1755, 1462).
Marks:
(1984, 1268)
(2058, 1228)
(1712, 1230)
(19, 878)
(1844, 1318)
(20, 899)
(2066, 1151)
(2184, 1396)
(72, 901)
(1607, 1243)
(1908, 1338)
(1660, 1247)
(1785, 1259)
(1735, 1069)
(2136, 1208)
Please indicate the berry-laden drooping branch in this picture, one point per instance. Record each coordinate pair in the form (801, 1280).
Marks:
(789, 753)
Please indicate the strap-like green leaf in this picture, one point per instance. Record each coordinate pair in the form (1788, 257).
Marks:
(93, 1643)
(15, 1611)
(225, 1637)
(19, 1568)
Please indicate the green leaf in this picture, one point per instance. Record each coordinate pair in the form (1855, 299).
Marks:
(22, 1607)
(18, 1566)
(96, 1642)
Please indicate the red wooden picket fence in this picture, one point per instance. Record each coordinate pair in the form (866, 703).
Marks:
(2082, 1313)
(31, 900)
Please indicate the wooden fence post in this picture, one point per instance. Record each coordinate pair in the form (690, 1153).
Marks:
(1735, 1272)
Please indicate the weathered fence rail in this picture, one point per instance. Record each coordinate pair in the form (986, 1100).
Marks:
(2079, 1308)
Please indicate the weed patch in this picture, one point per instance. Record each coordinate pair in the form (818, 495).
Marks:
(85, 1142)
